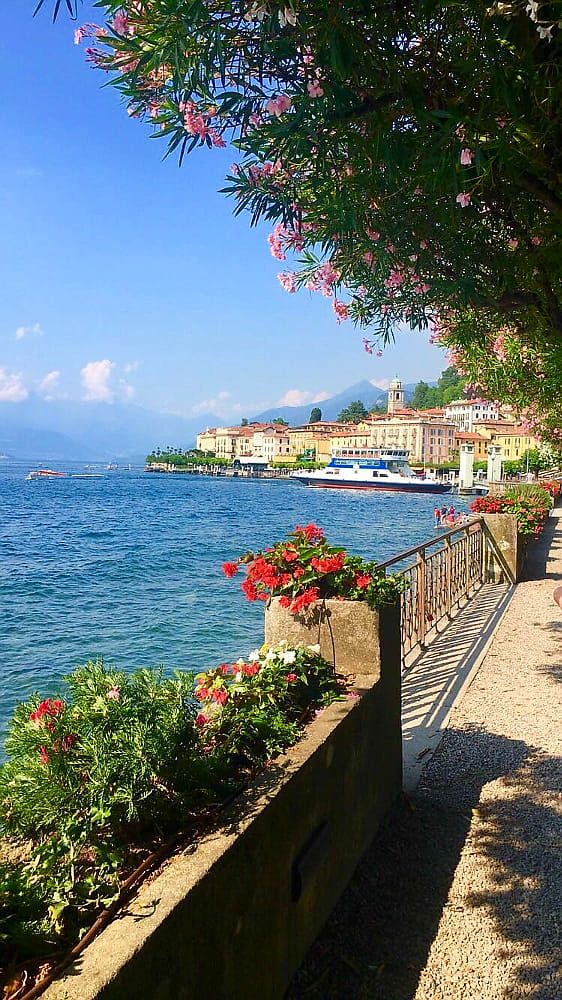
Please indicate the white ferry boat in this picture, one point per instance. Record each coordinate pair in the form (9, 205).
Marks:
(370, 469)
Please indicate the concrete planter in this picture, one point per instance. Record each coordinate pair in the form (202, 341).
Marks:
(233, 919)
(349, 633)
(505, 549)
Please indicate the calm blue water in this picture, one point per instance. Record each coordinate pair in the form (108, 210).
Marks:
(128, 567)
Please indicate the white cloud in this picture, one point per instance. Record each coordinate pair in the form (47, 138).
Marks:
(131, 366)
(26, 331)
(219, 405)
(126, 390)
(48, 385)
(95, 378)
(12, 389)
(298, 397)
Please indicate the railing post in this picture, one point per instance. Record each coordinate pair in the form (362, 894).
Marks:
(421, 594)
(466, 563)
(448, 576)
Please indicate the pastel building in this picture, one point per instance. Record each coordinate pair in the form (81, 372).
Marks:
(427, 440)
(467, 412)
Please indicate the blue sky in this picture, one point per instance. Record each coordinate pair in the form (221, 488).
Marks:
(124, 277)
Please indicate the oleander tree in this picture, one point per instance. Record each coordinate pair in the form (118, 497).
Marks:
(408, 156)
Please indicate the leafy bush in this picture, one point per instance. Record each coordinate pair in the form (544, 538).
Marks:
(530, 504)
(304, 568)
(96, 779)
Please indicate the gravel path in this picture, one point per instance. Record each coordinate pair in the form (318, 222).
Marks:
(460, 896)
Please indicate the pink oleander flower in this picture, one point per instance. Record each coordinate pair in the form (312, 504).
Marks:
(114, 693)
(536, 241)
(423, 244)
(418, 190)
(120, 24)
(463, 199)
(466, 157)
(278, 105)
(314, 89)
(287, 281)
(513, 244)
(341, 310)
(290, 678)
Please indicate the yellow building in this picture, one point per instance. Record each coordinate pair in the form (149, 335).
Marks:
(207, 440)
(312, 440)
(479, 442)
(514, 442)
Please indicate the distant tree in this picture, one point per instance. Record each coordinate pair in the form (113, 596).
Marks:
(315, 415)
(419, 396)
(280, 421)
(244, 422)
(378, 408)
(450, 385)
(353, 413)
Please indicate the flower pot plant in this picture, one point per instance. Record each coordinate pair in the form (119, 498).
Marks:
(319, 593)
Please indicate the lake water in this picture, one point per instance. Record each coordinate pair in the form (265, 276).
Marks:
(128, 566)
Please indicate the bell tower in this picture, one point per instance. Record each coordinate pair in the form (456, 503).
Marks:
(395, 395)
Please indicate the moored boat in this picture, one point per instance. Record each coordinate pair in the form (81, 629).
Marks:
(370, 469)
(45, 474)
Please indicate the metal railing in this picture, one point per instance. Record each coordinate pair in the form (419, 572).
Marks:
(446, 569)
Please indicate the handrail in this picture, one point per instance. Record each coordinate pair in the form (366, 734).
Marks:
(438, 580)
(432, 541)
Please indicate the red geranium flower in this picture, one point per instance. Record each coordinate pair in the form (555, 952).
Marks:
(43, 754)
(230, 569)
(290, 678)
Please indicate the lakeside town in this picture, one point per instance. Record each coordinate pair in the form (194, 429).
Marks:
(432, 437)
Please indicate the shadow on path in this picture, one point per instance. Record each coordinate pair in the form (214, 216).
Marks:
(432, 685)
(547, 550)
(377, 941)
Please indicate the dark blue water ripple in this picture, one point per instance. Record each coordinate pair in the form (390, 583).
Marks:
(128, 566)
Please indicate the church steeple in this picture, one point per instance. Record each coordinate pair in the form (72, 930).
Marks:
(395, 395)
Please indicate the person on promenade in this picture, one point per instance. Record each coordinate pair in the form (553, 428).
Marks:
(437, 516)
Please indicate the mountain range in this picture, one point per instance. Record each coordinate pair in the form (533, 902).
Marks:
(37, 430)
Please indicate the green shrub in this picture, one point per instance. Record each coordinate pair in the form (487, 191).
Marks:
(97, 778)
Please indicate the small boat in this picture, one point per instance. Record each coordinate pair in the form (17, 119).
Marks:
(370, 469)
(45, 474)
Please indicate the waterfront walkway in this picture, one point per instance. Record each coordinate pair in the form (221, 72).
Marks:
(460, 896)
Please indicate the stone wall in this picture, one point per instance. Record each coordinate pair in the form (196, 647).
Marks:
(504, 549)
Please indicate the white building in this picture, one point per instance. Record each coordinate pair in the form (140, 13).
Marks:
(467, 412)
(271, 442)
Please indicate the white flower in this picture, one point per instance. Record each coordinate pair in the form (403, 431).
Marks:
(545, 32)
(240, 662)
(532, 9)
(287, 16)
(254, 656)
(289, 657)
(314, 648)
(257, 12)
(238, 677)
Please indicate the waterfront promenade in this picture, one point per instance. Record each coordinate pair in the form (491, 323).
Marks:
(459, 897)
